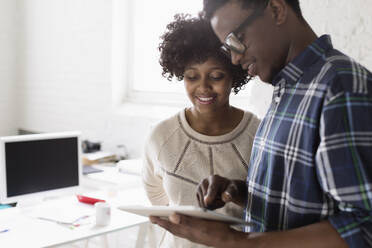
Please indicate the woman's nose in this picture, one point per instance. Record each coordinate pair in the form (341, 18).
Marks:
(205, 83)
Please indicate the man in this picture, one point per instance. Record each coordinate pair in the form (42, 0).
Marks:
(310, 175)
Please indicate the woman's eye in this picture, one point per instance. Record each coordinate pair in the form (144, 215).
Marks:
(191, 78)
(217, 77)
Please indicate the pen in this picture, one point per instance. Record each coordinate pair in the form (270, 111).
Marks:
(5, 230)
(73, 223)
(69, 225)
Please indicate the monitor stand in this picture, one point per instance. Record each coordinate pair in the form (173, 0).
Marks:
(28, 205)
(31, 202)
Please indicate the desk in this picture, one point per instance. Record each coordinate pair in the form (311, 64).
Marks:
(28, 231)
(111, 178)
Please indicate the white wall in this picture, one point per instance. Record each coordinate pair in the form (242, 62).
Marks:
(63, 67)
(350, 25)
(64, 72)
(8, 108)
(348, 22)
(64, 64)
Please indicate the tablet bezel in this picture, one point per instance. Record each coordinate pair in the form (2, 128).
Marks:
(166, 211)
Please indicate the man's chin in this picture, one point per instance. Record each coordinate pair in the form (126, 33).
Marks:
(266, 78)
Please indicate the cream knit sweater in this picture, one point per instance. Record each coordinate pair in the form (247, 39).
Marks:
(177, 158)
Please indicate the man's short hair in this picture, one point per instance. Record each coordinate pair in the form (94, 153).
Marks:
(210, 6)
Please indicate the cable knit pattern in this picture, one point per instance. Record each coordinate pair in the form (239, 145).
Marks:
(177, 158)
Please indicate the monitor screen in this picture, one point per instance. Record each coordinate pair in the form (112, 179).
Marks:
(39, 163)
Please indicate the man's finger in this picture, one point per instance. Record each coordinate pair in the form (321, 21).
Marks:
(199, 196)
(230, 193)
(177, 225)
(226, 197)
(211, 194)
(201, 191)
(175, 218)
(217, 185)
(186, 221)
(163, 223)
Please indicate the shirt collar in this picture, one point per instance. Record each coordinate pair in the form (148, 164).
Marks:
(293, 71)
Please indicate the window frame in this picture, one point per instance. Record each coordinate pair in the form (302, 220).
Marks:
(123, 92)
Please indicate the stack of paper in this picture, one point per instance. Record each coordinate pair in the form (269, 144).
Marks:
(98, 157)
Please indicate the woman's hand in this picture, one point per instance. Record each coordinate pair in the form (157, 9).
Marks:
(215, 191)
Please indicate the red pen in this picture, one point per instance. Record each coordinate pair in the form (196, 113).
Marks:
(88, 200)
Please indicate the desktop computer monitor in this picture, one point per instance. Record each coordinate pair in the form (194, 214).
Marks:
(39, 165)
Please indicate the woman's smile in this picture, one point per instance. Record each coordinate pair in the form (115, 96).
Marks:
(205, 99)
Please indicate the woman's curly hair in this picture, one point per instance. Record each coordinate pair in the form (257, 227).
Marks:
(191, 40)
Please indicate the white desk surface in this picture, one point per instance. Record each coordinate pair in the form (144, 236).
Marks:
(112, 178)
(25, 230)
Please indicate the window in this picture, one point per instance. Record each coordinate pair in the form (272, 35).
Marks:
(137, 27)
(149, 21)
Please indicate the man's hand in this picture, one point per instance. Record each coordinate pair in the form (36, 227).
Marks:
(215, 191)
(210, 233)
(219, 234)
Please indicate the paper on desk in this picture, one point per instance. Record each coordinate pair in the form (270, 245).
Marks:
(130, 166)
(62, 213)
(113, 177)
(97, 155)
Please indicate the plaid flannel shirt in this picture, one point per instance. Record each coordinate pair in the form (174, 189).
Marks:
(312, 155)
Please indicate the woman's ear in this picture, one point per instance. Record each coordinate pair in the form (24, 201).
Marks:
(278, 10)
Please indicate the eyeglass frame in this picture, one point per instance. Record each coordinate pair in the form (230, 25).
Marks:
(226, 47)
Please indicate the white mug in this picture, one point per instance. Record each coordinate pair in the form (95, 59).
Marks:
(103, 213)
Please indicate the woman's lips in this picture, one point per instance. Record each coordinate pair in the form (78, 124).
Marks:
(205, 100)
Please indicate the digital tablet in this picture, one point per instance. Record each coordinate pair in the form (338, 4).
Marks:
(165, 211)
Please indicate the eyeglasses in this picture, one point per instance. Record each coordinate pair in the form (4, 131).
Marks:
(232, 42)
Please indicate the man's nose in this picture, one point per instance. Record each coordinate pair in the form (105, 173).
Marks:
(235, 58)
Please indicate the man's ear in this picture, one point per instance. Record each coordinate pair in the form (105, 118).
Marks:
(278, 10)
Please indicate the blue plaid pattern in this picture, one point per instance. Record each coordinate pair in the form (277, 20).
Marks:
(312, 155)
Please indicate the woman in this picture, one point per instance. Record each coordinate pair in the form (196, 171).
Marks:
(211, 137)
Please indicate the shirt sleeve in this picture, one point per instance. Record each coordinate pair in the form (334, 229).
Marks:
(344, 165)
(152, 181)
